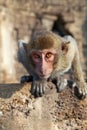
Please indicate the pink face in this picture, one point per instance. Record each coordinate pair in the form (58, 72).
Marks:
(43, 60)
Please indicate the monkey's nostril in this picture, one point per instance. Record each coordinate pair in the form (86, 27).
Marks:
(41, 72)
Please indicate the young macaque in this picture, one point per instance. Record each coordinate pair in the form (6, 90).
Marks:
(47, 57)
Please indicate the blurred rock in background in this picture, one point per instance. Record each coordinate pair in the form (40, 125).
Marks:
(19, 19)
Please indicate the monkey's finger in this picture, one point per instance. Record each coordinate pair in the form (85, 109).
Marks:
(58, 82)
(33, 88)
(41, 90)
(85, 91)
(58, 87)
(37, 90)
(80, 92)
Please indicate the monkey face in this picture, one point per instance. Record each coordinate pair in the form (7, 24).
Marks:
(43, 61)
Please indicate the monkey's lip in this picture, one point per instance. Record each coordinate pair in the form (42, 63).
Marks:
(43, 76)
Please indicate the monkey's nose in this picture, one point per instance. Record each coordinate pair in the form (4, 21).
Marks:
(42, 72)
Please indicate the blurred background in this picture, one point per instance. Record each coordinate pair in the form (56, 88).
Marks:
(19, 19)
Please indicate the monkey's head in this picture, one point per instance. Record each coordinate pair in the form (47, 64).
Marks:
(43, 51)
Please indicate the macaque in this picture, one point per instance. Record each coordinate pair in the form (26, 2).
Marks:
(47, 57)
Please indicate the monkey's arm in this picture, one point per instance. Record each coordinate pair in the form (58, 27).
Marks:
(78, 74)
(77, 69)
(72, 59)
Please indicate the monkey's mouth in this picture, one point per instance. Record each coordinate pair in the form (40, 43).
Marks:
(42, 76)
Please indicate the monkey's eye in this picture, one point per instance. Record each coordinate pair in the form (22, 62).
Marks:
(36, 56)
(48, 55)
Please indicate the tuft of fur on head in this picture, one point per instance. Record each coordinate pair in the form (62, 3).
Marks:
(45, 40)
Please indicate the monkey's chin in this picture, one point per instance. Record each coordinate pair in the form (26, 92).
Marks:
(44, 76)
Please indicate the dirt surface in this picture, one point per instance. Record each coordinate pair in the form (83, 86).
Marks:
(19, 110)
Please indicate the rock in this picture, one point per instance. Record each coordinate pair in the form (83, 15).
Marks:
(53, 111)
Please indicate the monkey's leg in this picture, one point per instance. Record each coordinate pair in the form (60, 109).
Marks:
(78, 74)
(60, 82)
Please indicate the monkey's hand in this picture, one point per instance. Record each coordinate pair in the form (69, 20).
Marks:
(38, 87)
(81, 90)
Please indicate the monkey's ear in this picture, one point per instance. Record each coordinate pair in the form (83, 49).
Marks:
(22, 45)
(64, 47)
(65, 44)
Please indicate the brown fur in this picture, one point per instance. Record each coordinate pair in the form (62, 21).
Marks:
(45, 40)
(67, 56)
